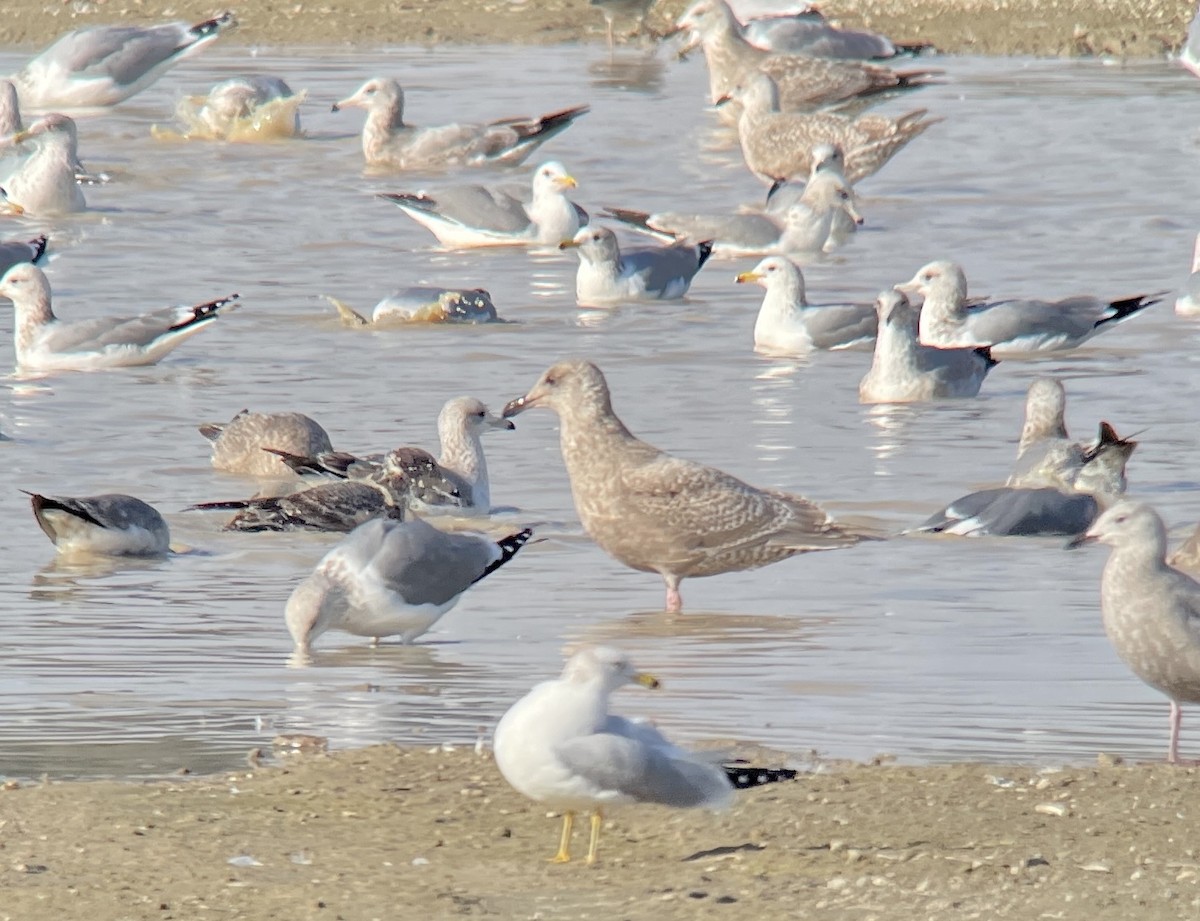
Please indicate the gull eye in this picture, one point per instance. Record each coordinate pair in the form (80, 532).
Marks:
(481, 414)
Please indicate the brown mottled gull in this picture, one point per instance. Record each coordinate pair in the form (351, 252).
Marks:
(237, 445)
(1151, 611)
(339, 507)
(388, 142)
(658, 513)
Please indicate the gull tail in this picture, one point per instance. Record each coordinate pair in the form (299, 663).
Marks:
(1127, 307)
(42, 504)
(230, 505)
(509, 546)
(639, 219)
(410, 200)
(38, 245)
(203, 313)
(705, 248)
(915, 79)
(212, 27)
(985, 352)
(743, 776)
(347, 314)
(915, 48)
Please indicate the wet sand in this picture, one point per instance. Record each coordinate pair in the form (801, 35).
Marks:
(1132, 28)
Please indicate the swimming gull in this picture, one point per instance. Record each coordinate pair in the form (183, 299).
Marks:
(609, 275)
(1046, 455)
(624, 9)
(1066, 506)
(45, 343)
(809, 32)
(788, 325)
(806, 227)
(44, 182)
(392, 577)
(804, 82)
(905, 371)
(1022, 326)
(559, 745)
(340, 506)
(658, 513)
(784, 193)
(458, 477)
(250, 107)
(388, 142)
(1151, 611)
(424, 304)
(109, 525)
(14, 252)
(1188, 302)
(105, 65)
(476, 215)
(1189, 55)
(237, 445)
(778, 145)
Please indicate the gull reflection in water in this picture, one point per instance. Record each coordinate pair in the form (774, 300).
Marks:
(891, 421)
(642, 72)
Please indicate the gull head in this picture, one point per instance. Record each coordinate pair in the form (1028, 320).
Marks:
(470, 415)
(704, 18)
(54, 127)
(22, 281)
(595, 244)
(938, 279)
(893, 307)
(830, 190)
(827, 158)
(608, 667)
(376, 93)
(774, 273)
(552, 177)
(565, 385)
(1126, 524)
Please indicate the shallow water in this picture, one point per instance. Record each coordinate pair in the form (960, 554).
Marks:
(1047, 178)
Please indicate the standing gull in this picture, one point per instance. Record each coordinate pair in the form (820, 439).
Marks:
(476, 215)
(1188, 302)
(607, 275)
(388, 142)
(104, 65)
(625, 9)
(45, 343)
(658, 513)
(948, 321)
(44, 182)
(392, 577)
(109, 525)
(788, 325)
(560, 746)
(237, 445)
(1151, 611)
(905, 371)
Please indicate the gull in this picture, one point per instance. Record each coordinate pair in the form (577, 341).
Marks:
(109, 525)
(827, 159)
(657, 513)
(809, 32)
(559, 745)
(779, 145)
(607, 275)
(1189, 55)
(250, 107)
(340, 507)
(392, 577)
(905, 371)
(105, 65)
(10, 109)
(1046, 455)
(44, 183)
(460, 472)
(476, 215)
(1151, 611)
(804, 227)
(804, 82)
(14, 252)
(237, 445)
(626, 9)
(1069, 501)
(425, 304)
(45, 343)
(1188, 302)
(389, 142)
(789, 326)
(948, 321)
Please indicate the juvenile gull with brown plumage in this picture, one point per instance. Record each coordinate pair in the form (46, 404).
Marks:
(658, 513)
(238, 445)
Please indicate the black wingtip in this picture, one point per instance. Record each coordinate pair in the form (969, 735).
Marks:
(985, 352)
(1128, 306)
(39, 245)
(705, 247)
(509, 547)
(743, 776)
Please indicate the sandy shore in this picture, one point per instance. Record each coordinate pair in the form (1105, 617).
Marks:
(389, 833)
(1133, 28)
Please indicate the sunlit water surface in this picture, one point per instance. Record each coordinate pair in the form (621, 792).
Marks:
(1047, 178)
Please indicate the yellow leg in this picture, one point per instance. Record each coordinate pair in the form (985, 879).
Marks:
(597, 820)
(564, 843)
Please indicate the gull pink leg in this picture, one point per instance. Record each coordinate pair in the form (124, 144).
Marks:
(1176, 723)
(674, 599)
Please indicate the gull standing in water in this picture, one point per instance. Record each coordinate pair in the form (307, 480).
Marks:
(391, 578)
(1151, 611)
(109, 525)
(104, 65)
(388, 142)
(560, 746)
(45, 343)
(607, 275)
(658, 513)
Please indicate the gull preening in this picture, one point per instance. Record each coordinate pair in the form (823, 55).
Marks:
(1151, 610)
(477, 215)
(948, 320)
(105, 65)
(657, 513)
(560, 746)
(424, 304)
(237, 445)
(45, 343)
(107, 525)
(609, 275)
(250, 107)
(788, 325)
(390, 143)
(389, 578)
(903, 370)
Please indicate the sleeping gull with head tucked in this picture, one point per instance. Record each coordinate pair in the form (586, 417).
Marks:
(476, 215)
(608, 275)
(658, 513)
(109, 525)
(104, 65)
(1151, 611)
(389, 143)
(45, 343)
(560, 746)
(949, 321)
(238, 445)
(390, 578)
